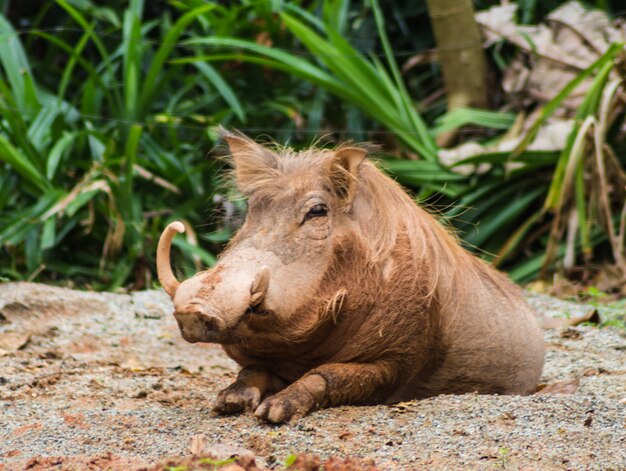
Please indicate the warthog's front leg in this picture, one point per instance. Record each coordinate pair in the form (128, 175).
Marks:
(246, 393)
(333, 384)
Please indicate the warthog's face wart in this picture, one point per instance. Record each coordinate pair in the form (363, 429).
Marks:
(297, 215)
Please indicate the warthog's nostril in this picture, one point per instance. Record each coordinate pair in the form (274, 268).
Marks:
(209, 322)
(198, 326)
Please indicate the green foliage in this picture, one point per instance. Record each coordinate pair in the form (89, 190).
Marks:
(108, 111)
(460, 117)
(365, 83)
(612, 313)
(217, 463)
(291, 459)
(94, 163)
(494, 212)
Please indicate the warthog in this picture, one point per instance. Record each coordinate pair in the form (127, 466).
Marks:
(339, 289)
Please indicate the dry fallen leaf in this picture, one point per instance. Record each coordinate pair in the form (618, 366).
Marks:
(555, 322)
(571, 334)
(552, 136)
(568, 386)
(133, 364)
(12, 341)
(197, 444)
(553, 52)
(403, 407)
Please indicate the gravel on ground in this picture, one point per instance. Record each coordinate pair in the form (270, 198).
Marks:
(104, 381)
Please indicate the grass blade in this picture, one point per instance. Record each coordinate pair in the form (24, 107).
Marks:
(22, 165)
(460, 117)
(149, 84)
(132, 64)
(16, 67)
(417, 121)
(223, 88)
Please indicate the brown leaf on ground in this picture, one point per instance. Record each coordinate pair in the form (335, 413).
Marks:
(12, 341)
(197, 444)
(207, 462)
(132, 363)
(555, 322)
(308, 462)
(82, 462)
(571, 334)
(349, 464)
(568, 386)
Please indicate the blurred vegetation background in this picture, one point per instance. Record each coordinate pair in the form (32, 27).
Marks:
(109, 110)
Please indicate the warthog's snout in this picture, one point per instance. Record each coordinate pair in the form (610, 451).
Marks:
(209, 306)
(196, 325)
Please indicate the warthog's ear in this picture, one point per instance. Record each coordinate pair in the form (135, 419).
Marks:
(254, 164)
(344, 170)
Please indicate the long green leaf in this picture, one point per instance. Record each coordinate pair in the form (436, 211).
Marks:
(106, 57)
(506, 216)
(57, 151)
(207, 257)
(16, 67)
(39, 131)
(20, 163)
(132, 64)
(18, 224)
(86, 65)
(222, 87)
(71, 64)
(459, 117)
(417, 121)
(588, 108)
(289, 62)
(149, 84)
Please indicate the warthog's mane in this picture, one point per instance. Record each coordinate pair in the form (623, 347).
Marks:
(437, 259)
(443, 270)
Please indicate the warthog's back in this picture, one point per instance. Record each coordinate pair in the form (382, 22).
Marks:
(490, 343)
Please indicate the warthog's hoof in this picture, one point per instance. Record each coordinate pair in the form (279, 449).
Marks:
(236, 398)
(291, 403)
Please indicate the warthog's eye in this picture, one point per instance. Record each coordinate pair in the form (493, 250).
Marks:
(316, 211)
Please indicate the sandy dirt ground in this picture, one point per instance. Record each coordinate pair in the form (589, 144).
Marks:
(104, 381)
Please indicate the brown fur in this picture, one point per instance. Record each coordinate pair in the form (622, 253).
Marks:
(387, 305)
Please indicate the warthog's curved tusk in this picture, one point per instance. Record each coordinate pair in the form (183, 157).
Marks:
(259, 286)
(164, 268)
